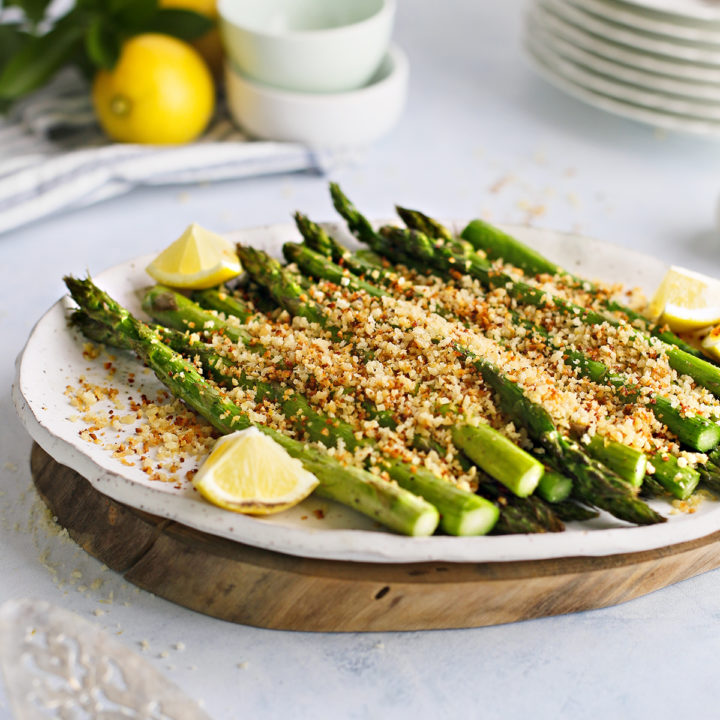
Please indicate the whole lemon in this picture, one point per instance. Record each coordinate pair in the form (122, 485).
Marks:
(159, 92)
(208, 45)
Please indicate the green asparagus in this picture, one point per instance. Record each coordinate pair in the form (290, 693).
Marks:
(389, 504)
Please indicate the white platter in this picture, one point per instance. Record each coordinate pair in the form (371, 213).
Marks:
(590, 80)
(705, 53)
(630, 56)
(53, 358)
(685, 88)
(651, 21)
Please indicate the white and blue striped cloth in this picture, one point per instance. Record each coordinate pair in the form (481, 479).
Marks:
(53, 156)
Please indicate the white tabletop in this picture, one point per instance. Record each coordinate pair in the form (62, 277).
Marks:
(481, 135)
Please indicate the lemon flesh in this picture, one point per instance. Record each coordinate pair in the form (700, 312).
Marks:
(711, 343)
(686, 301)
(198, 259)
(248, 472)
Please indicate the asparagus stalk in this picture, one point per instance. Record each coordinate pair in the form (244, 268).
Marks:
(628, 463)
(462, 513)
(389, 504)
(458, 256)
(417, 220)
(609, 491)
(496, 244)
(175, 310)
(319, 241)
(311, 424)
(518, 515)
(363, 230)
(222, 300)
(554, 487)
(696, 432)
(285, 290)
(282, 286)
(569, 510)
(679, 481)
(593, 484)
(316, 265)
(519, 471)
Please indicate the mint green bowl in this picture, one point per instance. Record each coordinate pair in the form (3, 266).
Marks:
(314, 46)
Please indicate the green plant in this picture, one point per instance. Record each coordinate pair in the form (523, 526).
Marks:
(88, 36)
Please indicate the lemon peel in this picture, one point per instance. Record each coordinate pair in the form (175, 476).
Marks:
(248, 472)
(686, 301)
(198, 259)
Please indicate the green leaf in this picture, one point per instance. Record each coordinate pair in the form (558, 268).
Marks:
(34, 9)
(12, 39)
(183, 24)
(102, 44)
(38, 60)
(132, 15)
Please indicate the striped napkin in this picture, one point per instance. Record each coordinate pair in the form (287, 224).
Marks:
(54, 157)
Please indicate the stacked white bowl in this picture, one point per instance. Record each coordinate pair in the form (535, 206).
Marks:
(321, 72)
(656, 61)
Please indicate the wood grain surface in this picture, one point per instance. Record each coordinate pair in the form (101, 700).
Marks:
(257, 587)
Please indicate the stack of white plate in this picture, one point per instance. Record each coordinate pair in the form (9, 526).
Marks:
(656, 61)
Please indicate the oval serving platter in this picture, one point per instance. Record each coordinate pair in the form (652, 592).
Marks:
(53, 359)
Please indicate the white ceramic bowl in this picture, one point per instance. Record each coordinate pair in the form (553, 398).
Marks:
(347, 119)
(307, 45)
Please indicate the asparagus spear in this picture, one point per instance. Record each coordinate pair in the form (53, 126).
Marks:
(694, 431)
(518, 515)
(569, 510)
(389, 504)
(594, 480)
(319, 241)
(417, 220)
(679, 481)
(462, 513)
(554, 487)
(500, 458)
(363, 230)
(458, 256)
(311, 424)
(628, 463)
(222, 300)
(174, 310)
(317, 265)
(282, 285)
(497, 244)
(594, 484)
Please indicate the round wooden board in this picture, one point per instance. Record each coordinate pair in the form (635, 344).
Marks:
(257, 587)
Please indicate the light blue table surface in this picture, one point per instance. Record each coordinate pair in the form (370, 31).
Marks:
(481, 134)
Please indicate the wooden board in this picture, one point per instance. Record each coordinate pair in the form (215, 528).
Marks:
(257, 587)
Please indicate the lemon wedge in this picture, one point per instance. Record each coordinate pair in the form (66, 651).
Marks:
(686, 300)
(248, 472)
(198, 259)
(711, 343)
